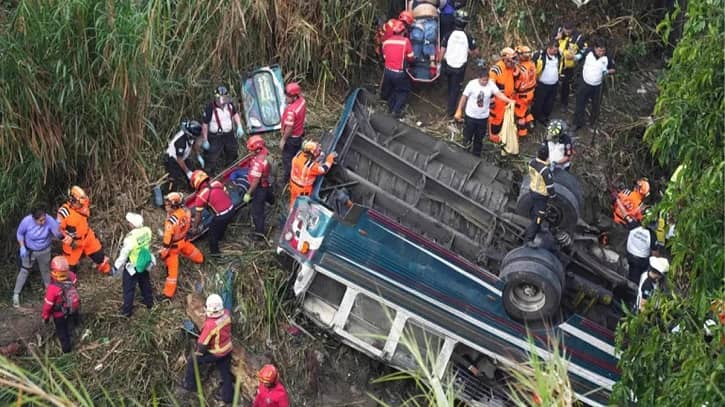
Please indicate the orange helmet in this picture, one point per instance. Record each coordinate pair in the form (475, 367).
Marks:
(59, 268)
(292, 89)
(311, 147)
(77, 196)
(643, 186)
(406, 17)
(174, 199)
(523, 51)
(255, 143)
(267, 374)
(398, 27)
(197, 177)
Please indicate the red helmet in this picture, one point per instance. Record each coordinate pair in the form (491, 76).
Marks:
(197, 177)
(59, 268)
(292, 89)
(398, 27)
(406, 17)
(267, 374)
(255, 143)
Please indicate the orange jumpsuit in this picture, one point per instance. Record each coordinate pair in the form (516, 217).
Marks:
(79, 237)
(524, 85)
(504, 78)
(304, 173)
(176, 226)
(628, 204)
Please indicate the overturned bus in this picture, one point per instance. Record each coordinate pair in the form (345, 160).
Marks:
(409, 240)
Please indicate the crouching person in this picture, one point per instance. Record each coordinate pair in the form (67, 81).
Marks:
(134, 260)
(214, 346)
(62, 301)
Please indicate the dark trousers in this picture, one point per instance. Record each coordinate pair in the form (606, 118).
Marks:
(544, 98)
(64, 330)
(178, 181)
(223, 365)
(537, 215)
(584, 94)
(475, 130)
(223, 150)
(395, 89)
(565, 80)
(455, 85)
(291, 147)
(261, 196)
(637, 266)
(129, 291)
(216, 230)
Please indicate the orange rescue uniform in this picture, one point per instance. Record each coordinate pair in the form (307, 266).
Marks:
(176, 226)
(304, 173)
(524, 84)
(79, 237)
(503, 77)
(628, 204)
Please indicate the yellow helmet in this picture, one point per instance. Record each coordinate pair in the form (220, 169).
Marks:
(175, 199)
(59, 268)
(77, 196)
(311, 147)
(523, 51)
(508, 52)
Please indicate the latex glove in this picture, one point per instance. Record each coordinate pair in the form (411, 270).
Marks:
(577, 57)
(240, 132)
(205, 145)
(188, 174)
(23, 251)
(458, 116)
(201, 161)
(247, 197)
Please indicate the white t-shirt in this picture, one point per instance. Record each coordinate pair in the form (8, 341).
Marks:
(550, 70)
(457, 46)
(479, 98)
(639, 242)
(593, 70)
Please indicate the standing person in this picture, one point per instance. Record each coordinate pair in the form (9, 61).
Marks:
(260, 189)
(178, 153)
(571, 45)
(293, 126)
(524, 85)
(651, 280)
(78, 238)
(35, 234)
(503, 74)
(176, 226)
(306, 169)
(548, 62)
(596, 66)
(134, 260)
(213, 346)
(62, 301)
(542, 190)
(447, 18)
(475, 102)
(396, 84)
(455, 48)
(271, 392)
(561, 148)
(217, 130)
(212, 195)
(386, 31)
(641, 243)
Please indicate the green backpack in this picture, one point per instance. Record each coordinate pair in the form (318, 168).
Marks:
(143, 260)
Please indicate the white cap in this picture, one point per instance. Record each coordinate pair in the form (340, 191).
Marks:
(659, 264)
(134, 219)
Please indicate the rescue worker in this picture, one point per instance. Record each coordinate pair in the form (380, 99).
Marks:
(524, 85)
(475, 102)
(212, 195)
(597, 65)
(547, 63)
(641, 243)
(561, 148)
(503, 74)
(217, 130)
(455, 48)
(397, 50)
(134, 261)
(176, 227)
(386, 31)
(178, 153)
(306, 169)
(571, 45)
(54, 299)
(260, 190)
(542, 190)
(213, 346)
(35, 233)
(652, 280)
(271, 392)
(629, 204)
(78, 237)
(293, 126)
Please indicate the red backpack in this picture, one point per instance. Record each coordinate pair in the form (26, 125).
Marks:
(71, 301)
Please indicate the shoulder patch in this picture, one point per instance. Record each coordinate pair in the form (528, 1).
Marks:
(63, 212)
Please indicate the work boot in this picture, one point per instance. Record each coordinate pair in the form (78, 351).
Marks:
(16, 300)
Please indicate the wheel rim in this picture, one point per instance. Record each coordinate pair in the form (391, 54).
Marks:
(527, 297)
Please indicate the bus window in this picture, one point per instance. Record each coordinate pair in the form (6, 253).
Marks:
(417, 345)
(370, 321)
(324, 297)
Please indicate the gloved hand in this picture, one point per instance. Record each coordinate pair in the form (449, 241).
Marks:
(240, 132)
(205, 145)
(188, 174)
(458, 116)
(577, 57)
(605, 72)
(114, 271)
(201, 161)
(23, 251)
(247, 197)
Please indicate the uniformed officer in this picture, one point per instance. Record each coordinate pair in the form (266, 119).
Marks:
(217, 130)
(396, 85)
(641, 242)
(178, 152)
(542, 190)
(293, 126)
(652, 280)
(260, 189)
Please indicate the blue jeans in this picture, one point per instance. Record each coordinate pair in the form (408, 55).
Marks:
(395, 89)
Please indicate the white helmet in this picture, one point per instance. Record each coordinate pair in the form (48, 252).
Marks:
(659, 264)
(214, 306)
